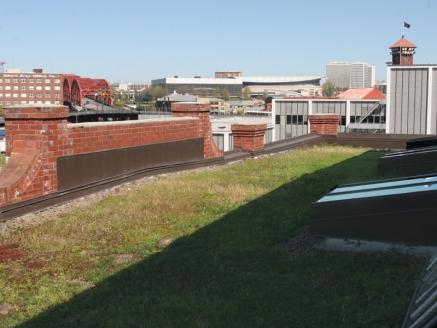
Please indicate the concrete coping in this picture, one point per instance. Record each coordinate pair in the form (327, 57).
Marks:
(323, 114)
(191, 103)
(143, 121)
(248, 123)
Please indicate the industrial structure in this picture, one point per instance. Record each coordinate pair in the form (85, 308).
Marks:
(75, 88)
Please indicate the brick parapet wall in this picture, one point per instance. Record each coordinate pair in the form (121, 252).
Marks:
(202, 112)
(324, 124)
(249, 137)
(38, 134)
(92, 137)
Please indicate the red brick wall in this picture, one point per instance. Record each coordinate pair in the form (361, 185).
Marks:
(92, 137)
(249, 137)
(202, 112)
(38, 134)
(325, 124)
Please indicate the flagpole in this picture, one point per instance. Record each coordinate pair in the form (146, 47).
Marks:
(403, 25)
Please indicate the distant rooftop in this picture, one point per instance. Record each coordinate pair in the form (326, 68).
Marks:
(361, 93)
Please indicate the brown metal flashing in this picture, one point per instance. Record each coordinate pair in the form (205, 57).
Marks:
(84, 169)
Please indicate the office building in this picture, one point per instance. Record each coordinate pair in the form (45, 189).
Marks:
(350, 75)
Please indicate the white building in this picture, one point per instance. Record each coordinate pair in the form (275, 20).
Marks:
(355, 75)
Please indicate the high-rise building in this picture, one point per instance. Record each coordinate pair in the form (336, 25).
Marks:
(346, 75)
(359, 75)
(338, 73)
(30, 88)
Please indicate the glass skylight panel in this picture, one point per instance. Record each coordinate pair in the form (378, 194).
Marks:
(385, 184)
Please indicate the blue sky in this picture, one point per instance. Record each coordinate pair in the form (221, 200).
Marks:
(140, 40)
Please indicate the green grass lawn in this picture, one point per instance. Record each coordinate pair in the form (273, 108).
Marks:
(226, 267)
(2, 160)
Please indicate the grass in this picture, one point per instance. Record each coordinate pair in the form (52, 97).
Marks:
(2, 160)
(104, 265)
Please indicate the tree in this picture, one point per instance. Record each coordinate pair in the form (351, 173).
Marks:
(225, 94)
(147, 94)
(158, 92)
(245, 93)
(183, 90)
(200, 92)
(114, 86)
(217, 93)
(328, 89)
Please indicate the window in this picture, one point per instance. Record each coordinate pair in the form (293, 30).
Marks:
(47, 80)
(57, 88)
(1, 95)
(48, 102)
(1, 87)
(31, 102)
(1, 102)
(31, 87)
(15, 80)
(39, 87)
(38, 95)
(8, 102)
(31, 80)
(8, 95)
(23, 95)
(23, 102)
(57, 95)
(15, 95)
(47, 95)
(57, 81)
(1, 80)
(8, 80)
(23, 87)
(15, 102)
(56, 103)
(31, 94)
(39, 102)
(47, 88)
(23, 80)
(15, 87)
(38, 80)
(8, 87)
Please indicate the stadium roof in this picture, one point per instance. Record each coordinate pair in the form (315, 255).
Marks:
(278, 79)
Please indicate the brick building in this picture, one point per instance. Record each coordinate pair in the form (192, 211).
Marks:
(18, 88)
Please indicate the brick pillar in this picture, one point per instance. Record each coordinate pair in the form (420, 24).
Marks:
(324, 124)
(47, 126)
(201, 111)
(249, 137)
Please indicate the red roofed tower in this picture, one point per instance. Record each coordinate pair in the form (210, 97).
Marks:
(402, 52)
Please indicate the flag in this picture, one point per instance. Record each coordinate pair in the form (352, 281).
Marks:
(406, 25)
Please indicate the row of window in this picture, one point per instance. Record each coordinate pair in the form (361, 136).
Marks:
(24, 95)
(31, 87)
(30, 80)
(8, 102)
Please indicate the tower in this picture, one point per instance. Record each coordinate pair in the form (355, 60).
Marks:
(402, 52)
